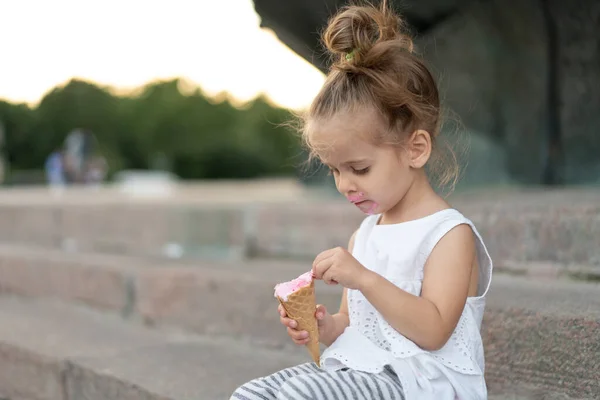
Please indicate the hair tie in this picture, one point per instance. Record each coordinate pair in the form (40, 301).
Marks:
(350, 55)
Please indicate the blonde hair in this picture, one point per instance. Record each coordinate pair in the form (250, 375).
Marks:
(374, 64)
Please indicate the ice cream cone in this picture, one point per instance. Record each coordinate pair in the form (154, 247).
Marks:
(300, 306)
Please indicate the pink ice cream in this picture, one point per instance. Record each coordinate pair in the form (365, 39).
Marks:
(283, 290)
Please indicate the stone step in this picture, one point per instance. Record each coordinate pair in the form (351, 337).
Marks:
(528, 331)
(555, 228)
(56, 351)
(50, 350)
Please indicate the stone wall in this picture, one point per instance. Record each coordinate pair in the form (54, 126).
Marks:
(492, 60)
(559, 228)
(578, 30)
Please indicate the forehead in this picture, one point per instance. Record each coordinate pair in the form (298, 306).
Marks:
(346, 135)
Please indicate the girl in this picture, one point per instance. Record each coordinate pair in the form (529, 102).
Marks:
(416, 272)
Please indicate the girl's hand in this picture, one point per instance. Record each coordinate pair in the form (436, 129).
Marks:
(337, 265)
(324, 320)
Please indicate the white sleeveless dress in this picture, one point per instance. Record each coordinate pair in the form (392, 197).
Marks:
(399, 252)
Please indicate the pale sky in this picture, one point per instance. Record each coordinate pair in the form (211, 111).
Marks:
(216, 44)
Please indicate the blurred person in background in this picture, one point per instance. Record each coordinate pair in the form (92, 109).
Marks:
(55, 169)
(2, 157)
(95, 171)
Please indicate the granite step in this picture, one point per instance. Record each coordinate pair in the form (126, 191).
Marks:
(55, 351)
(520, 226)
(538, 332)
(51, 350)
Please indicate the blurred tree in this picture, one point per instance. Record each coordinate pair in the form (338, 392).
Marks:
(18, 120)
(264, 129)
(200, 138)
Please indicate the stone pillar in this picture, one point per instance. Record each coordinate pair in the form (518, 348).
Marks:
(578, 35)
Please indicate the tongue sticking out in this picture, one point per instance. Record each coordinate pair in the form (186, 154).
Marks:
(365, 205)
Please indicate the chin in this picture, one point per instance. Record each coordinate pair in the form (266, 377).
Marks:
(374, 210)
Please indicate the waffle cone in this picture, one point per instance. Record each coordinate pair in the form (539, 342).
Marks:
(301, 306)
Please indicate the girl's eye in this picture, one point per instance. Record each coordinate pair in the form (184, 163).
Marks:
(361, 171)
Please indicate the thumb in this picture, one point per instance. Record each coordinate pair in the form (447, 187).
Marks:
(320, 312)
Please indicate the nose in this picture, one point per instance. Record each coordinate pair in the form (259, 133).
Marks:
(344, 184)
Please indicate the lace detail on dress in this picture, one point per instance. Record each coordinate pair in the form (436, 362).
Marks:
(455, 354)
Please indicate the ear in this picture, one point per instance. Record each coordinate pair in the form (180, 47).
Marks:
(419, 148)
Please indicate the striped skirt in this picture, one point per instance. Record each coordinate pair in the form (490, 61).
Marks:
(309, 382)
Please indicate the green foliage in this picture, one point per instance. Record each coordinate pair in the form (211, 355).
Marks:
(199, 138)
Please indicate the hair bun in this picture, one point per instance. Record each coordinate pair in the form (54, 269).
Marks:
(353, 31)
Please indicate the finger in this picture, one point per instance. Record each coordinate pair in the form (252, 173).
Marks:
(301, 341)
(288, 322)
(328, 277)
(281, 310)
(297, 335)
(321, 267)
(328, 254)
(322, 256)
(320, 311)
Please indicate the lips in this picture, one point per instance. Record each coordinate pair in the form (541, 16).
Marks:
(362, 203)
(357, 198)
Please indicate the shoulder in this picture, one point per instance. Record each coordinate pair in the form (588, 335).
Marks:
(453, 226)
(450, 220)
(452, 240)
(456, 237)
(450, 260)
(453, 249)
(448, 225)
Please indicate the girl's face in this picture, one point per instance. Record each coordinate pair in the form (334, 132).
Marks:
(374, 178)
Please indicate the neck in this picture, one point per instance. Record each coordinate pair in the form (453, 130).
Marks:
(419, 201)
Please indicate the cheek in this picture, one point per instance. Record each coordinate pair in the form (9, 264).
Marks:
(336, 179)
(394, 185)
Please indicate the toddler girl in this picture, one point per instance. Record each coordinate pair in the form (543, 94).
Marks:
(416, 271)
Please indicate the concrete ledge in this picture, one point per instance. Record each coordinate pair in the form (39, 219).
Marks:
(54, 351)
(26, 374)
(99, 281)
(528, 329)
(520, 227)
(85, 354)
(212, 298)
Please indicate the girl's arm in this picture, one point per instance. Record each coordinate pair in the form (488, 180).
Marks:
(429, 320)
(341, 319)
